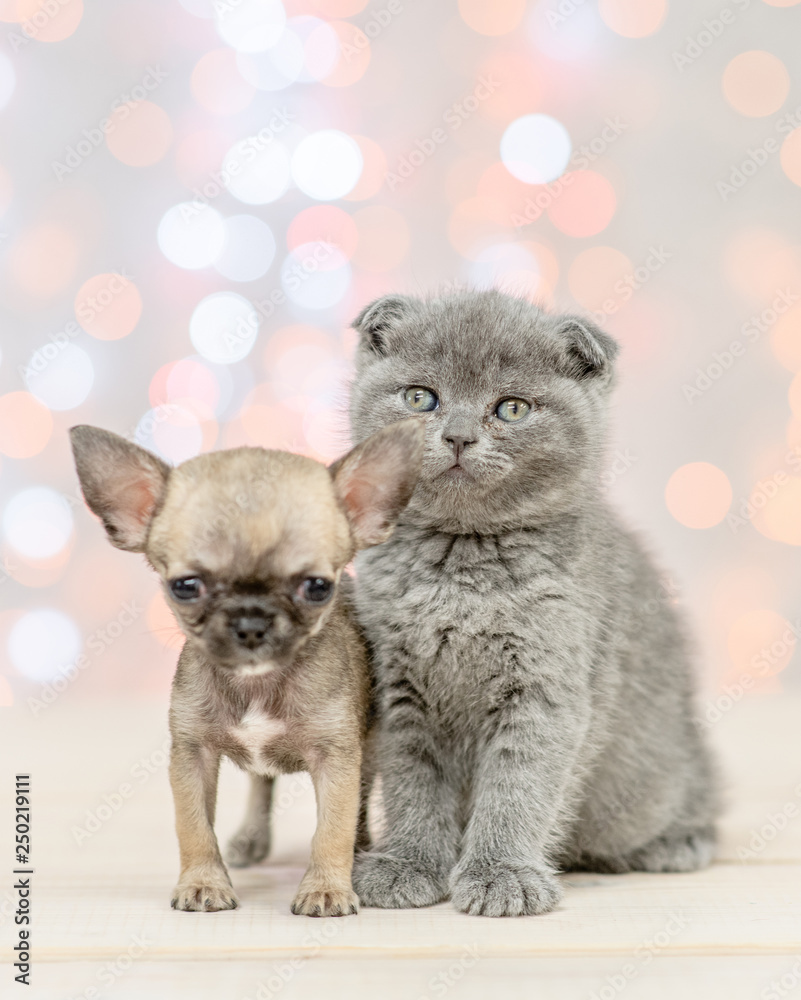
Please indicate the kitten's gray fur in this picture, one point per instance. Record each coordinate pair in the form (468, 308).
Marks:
(535, 693)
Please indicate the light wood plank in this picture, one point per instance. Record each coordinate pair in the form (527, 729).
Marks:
(96, 895)
(725, 910)
(596, 978)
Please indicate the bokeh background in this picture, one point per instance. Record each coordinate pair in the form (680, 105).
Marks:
(198, 196)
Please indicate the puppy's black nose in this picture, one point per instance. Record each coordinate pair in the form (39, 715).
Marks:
(250, 630)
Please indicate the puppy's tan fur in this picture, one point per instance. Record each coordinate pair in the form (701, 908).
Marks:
(252, 525)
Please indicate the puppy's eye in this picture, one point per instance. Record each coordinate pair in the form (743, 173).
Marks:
(511, 410)
(419, 399)
(316, 590)
(187, 588)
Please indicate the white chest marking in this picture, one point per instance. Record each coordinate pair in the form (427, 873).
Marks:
(255, 669)
(255, 730)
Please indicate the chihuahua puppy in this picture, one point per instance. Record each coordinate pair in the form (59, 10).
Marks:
(251, 546)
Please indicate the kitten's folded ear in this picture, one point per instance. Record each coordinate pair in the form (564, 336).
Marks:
(121, 482)
(376, 480)
(376, 322)
(589, 351)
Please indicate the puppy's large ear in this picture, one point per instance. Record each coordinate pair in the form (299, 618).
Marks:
(589, 351)
(121, 482)
(377, 321)
(376, 480)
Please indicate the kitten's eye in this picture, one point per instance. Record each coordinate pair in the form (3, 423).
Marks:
(420, 400)
(316, 590)
(512, 409)
(187, 588)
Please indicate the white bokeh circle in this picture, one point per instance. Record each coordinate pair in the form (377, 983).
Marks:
(506, 266)
(43, 644)
(171, 431)
(536, 149)
(224, 327)
(60, 376)
(249, 249)
(573, 37)
(276, 68)
(316, 276)
(191, 235)
(37, 522)
(257, 170)
(321, 47)
(250, 25)
(327, 164)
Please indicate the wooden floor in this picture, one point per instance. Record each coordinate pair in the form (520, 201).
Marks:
(106, 859)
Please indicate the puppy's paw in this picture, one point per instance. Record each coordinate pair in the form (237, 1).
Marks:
(248, 846)
(204, 895)
(331, 902)
(495, 889)
(397, 883)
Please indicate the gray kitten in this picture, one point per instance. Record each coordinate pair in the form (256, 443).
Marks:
(535, 696)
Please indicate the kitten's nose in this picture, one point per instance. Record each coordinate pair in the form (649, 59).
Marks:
(458, 443)
(250, 630)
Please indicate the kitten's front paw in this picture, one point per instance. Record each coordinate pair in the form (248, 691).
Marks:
(684, 853)
(204, 895)
(396, 883)
(503, 890)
